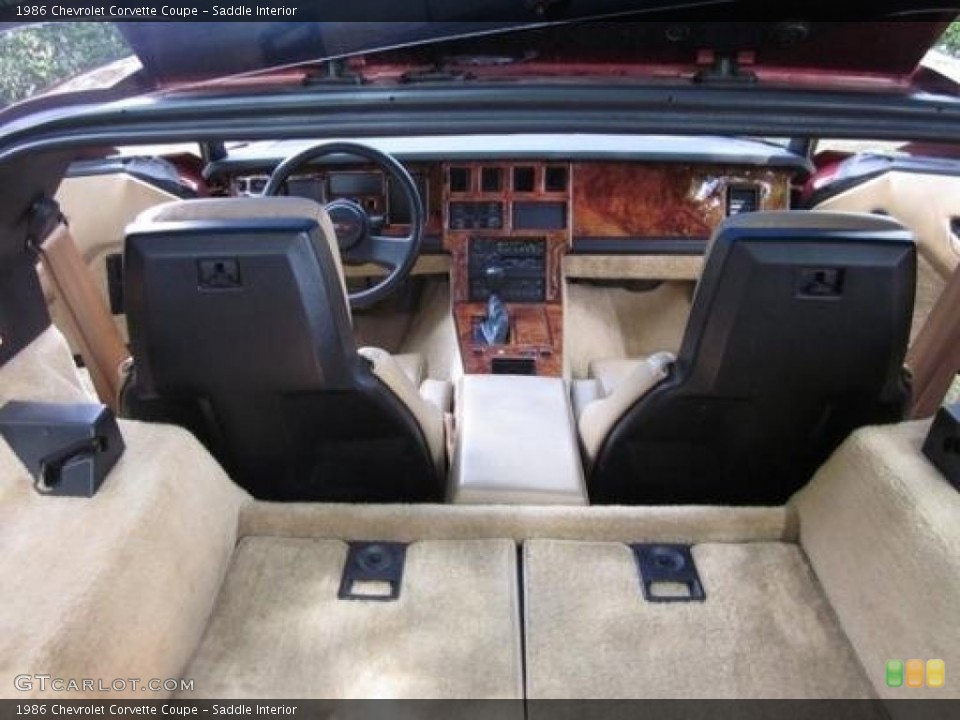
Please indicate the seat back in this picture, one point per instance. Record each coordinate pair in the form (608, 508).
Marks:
(796, 336)
(240, 332)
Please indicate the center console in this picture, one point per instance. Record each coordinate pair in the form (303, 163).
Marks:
(506, 227)
(516, 443)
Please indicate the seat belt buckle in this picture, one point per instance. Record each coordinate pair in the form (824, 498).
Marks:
(69, 449)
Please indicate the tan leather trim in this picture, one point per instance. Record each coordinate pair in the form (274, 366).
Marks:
(810, 220)
(88, 320)
(600, 416)
(611, 372)
(516, 443)
(98, 209)
(924, 203)
(413, 366)
(425, 265)
(583, 393)
(427, 415)
(438, 393)
(250, 209)
(934, 358)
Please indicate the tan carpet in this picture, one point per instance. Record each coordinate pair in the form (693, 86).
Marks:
(406, 523)
(43, 371)
(279, 630)
(765, 630)
(881, 527)
(119, 585)
(433, 334)
(605, 322)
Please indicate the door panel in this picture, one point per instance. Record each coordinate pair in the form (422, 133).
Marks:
(927, 204)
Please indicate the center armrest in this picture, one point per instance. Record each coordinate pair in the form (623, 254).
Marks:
(516, 443)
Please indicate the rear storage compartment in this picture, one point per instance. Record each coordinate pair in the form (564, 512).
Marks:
(243, 599)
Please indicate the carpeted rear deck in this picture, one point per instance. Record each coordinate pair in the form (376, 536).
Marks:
(279, 630)
(764, 631)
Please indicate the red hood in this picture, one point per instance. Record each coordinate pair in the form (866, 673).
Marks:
(886, 52)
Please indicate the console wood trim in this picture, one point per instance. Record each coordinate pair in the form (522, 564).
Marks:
(536, 332)
(536, 329)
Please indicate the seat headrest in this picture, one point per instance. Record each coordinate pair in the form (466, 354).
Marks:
(254, 208)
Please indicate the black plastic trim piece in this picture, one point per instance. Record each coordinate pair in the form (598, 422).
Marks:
(114, 271)
(373, 562)
(667, 563)
(68, 448)
(23, 308)
(942, 446)
(513, 366)
(638, 246)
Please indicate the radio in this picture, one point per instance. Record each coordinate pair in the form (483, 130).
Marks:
(513, 268)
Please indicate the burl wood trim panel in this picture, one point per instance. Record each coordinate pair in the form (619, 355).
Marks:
(664, 200)
(536, 332)
(604, 200)
(536, 329)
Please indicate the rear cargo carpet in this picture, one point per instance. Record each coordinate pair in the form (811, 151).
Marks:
(279, 630)
(764, 631)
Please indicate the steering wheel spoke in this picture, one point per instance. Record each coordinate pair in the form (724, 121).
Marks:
(388, 252)
(359, 234)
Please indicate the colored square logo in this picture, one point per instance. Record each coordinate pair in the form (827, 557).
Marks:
(914, 673)
(936, 673)
(894, 673)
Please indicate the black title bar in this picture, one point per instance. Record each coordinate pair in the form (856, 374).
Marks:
(13, 12)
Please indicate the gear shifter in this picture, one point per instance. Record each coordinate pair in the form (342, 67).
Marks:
(495, 327)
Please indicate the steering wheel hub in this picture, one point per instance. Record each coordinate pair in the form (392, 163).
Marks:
(350, 223)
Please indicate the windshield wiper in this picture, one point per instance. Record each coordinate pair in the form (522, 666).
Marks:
(435, 75)
(334, 72)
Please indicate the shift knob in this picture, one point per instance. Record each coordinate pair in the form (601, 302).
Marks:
(495, 329)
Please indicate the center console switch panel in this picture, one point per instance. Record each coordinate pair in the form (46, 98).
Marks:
(513, 268)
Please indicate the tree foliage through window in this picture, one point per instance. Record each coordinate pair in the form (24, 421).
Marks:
(950, 42)
(36, 57)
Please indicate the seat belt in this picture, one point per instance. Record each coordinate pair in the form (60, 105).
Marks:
(934, 357)
(88, 320)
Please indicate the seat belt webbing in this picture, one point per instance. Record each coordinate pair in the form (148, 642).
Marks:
(89, 321)
(934, 357)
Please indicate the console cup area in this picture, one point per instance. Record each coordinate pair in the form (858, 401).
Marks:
(516, 443)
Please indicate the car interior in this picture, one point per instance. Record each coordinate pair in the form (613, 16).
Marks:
(492, 416)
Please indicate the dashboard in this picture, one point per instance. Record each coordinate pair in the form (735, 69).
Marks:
(512, 215)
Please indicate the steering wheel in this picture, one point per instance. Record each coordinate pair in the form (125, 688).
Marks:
(358, 233)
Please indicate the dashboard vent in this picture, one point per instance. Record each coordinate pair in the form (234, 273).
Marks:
(491, 179)
(741, 199)
(555, 178)
(524, 179)
(460, 179)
